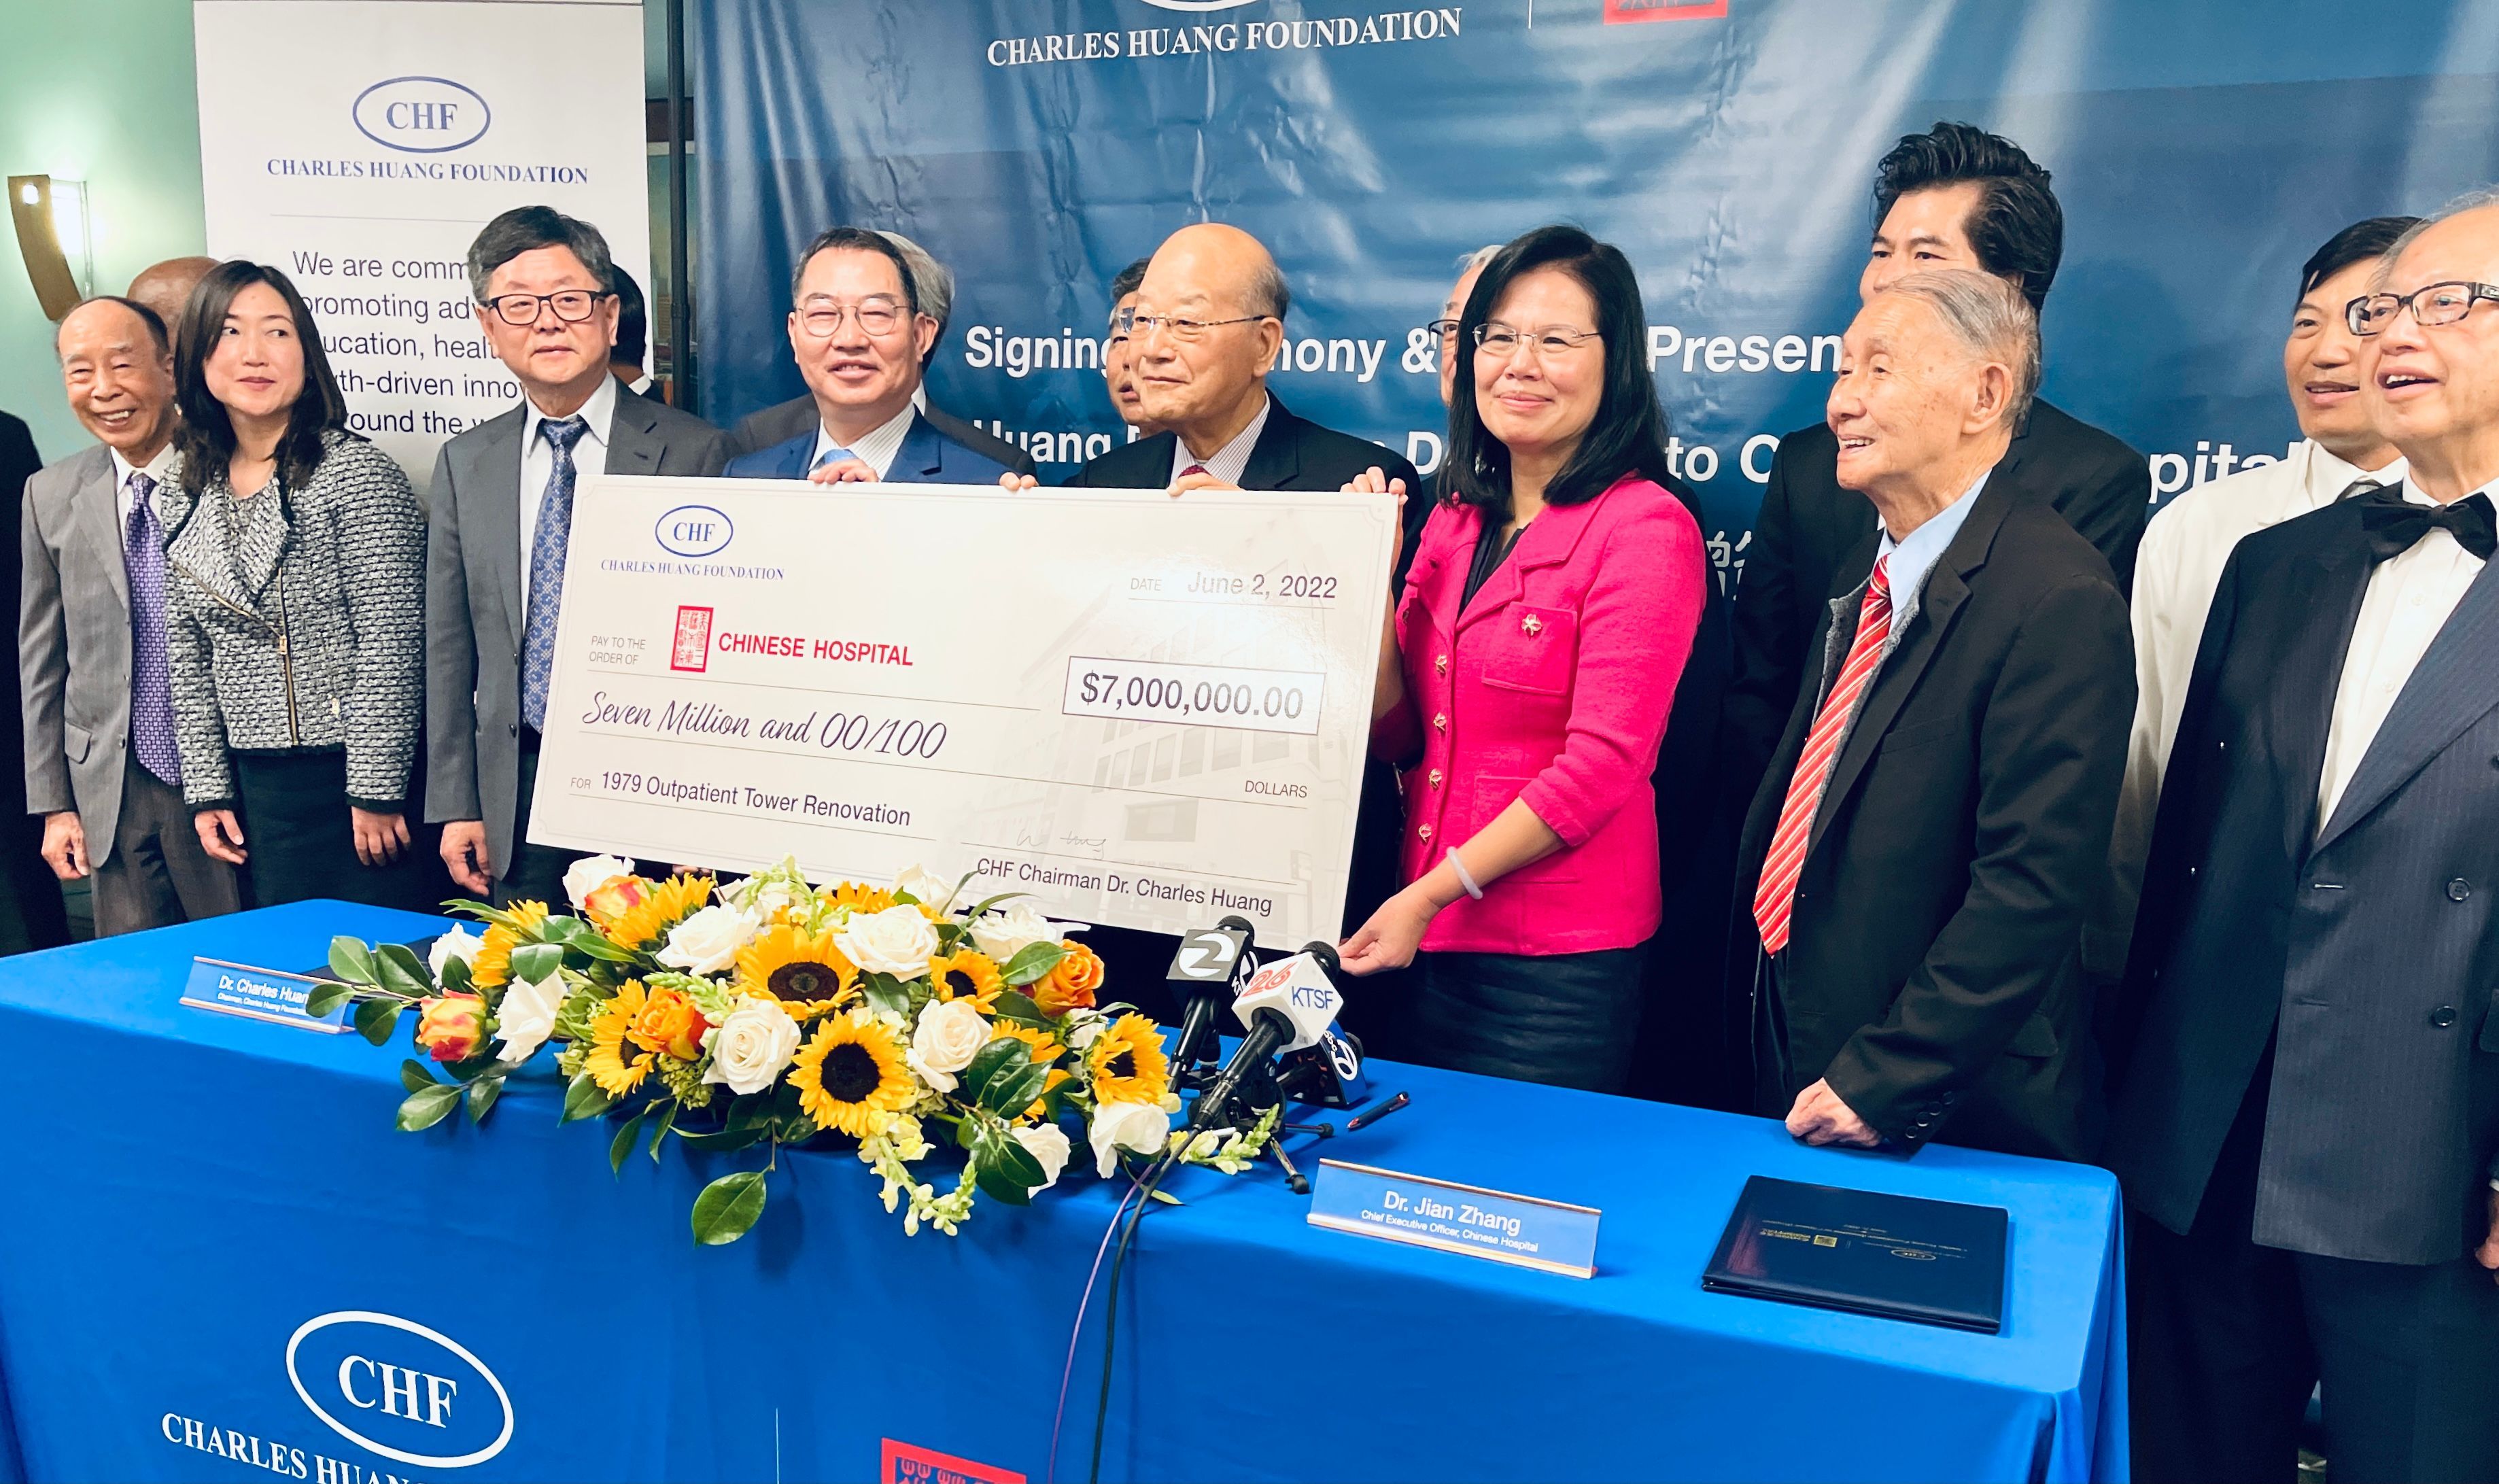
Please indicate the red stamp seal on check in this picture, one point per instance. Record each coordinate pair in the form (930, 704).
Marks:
(692, 650)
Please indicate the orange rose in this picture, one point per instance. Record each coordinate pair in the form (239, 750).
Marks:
(621, 895)
(670, 1024)
(451, 1026)
(1071, 984)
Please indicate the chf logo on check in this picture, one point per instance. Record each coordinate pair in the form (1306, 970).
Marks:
(695, 530)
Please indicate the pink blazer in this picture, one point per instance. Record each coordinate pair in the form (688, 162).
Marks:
(1553, 687)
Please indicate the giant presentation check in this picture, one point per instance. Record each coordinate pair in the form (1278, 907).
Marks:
(1143, 711)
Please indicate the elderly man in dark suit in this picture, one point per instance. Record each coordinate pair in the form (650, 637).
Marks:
(1954, 197)
(499, 519)
(2307, 1123)
(1938, 815)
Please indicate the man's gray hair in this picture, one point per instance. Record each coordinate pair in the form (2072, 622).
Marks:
(933, 282)
(1269, 294)
(2471, 200)
(1469, 262)
(1991, 320)
(528, 228)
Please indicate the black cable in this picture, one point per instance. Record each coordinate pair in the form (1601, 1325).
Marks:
(1111, 1310)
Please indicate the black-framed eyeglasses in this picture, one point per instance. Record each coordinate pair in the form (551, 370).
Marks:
(2432, 305)
(1496, 338)
(1443, 329)
(877, 316)
(571, 306)
(1129, 322)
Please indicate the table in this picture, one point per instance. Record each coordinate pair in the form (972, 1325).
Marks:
(187, 1192)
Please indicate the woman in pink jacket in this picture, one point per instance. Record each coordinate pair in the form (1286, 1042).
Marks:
(1525, 679)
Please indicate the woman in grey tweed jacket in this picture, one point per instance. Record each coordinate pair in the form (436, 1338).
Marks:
(294, 574)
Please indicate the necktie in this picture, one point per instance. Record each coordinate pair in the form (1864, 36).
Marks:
(1194, 469)
(546, 570)
(151, 693)
(830, 456)
(1774, 901)
(2392, 524)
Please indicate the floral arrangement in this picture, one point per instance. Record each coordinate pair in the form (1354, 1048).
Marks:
(770, 1013)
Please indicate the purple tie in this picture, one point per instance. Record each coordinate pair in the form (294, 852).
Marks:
(151, 694)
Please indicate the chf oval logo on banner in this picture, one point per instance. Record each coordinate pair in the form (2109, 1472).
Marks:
(695, 530)
(396, 1388)
(422, 116)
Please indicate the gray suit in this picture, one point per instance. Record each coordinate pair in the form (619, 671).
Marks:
(473, 623)
(74, 666)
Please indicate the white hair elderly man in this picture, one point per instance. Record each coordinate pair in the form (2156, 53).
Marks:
(1936, 817)
(1471, 267)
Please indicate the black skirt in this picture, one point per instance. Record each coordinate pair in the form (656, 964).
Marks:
(299, 843)
(1563, 1019)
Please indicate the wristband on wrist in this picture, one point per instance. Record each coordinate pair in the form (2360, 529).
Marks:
(1464, 879)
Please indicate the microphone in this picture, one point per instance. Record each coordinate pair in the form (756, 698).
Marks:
(1327, 1075)
(1287, 1006)
(1212, 962)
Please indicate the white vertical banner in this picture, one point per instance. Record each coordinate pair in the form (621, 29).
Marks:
(359, 144)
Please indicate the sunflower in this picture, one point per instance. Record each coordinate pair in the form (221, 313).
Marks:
(857, 898)
(1127, 1062)
(1044, 1051)
(493, 964)
(851, 1075)
(646, 922)
(801, 969)
(976, 972)
(615, 1064)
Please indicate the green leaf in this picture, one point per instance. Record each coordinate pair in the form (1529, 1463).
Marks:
(427, 1108)
(1166, 1197)
(326, 997)
(980, 908)
(1014, 1162)
(659, 1135)
(375, 1020)
(482, 1094)
(622, 1145)
(1015, 1089)
(751, 1112)
(455, 975)
(597, 946)
(535, 961)
(1031, 962)
(989, 1060)
(415, 1076)
(999, 1187)
(887, 994)
(585, 1099)
(352, 961)
(728, 1207)
(967, 1132)
(1018, 1007)
(726, 1141)
(402, 972)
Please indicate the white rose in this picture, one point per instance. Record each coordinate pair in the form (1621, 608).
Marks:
(526, 1017)
(589, 874)
(926, 887)
(951, 1034)
(1049, 1143)
(709, 942)
(1003, 934)
(751, 1047)
(896, 941)
(458, 942)
(1136, 1127)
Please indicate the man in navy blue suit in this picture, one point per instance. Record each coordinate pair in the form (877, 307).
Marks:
(859, 337)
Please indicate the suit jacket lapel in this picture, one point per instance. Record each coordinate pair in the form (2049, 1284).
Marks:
(496, 480)
(1547, 541)
(634, 446)
(2453, 686)
(1276, 460)
(922, 455)
(2299, 703)
(99, 510)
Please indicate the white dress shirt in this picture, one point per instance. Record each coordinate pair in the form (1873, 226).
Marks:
(537, 465)
(124, 499)
(2175, 570)
(1225, 464)
(2410, 597)
(875, 448)
(1907, 562)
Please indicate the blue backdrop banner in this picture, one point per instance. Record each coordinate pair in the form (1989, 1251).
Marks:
(2201, 150)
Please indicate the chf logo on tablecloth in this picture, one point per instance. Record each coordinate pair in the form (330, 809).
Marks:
(398, 1389)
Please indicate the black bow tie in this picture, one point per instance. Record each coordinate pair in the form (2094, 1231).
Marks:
(2393, 524)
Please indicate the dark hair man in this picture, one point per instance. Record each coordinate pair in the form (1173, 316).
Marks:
(92, 642)
(1119, 358)
(933, 285)
(1953, 197)
(2307, 1123)
(165, 288)
(547, 301)
(630, 359)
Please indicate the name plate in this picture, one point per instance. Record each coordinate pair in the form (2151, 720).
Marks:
(259, 994)
(1139, 711)
(1523, 1230)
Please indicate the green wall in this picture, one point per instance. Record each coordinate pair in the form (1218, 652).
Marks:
(102, 90)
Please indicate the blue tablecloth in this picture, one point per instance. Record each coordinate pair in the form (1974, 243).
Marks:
(187, 1193)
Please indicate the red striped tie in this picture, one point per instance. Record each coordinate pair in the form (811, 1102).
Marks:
(1774, 901)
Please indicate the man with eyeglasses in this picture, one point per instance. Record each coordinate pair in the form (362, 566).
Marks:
(499, 518)
(934, 284)
(2307, 1122)
(1118, 361)
(1445, 328)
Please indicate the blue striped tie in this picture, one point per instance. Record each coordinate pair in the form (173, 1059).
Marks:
(547, 571)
